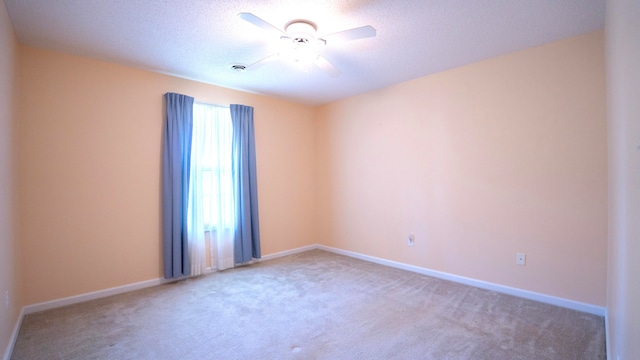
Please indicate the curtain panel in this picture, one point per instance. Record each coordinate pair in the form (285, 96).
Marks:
(247, 237)
(176, 162)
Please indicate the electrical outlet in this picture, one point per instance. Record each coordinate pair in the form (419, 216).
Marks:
(410, 240)
(521, 259)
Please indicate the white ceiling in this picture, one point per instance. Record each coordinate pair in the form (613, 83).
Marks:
(200, 39)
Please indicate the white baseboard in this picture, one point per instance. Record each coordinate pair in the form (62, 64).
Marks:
(607, 336)
(30, 309)
(288, 252)
(14, 337)
(547, 299)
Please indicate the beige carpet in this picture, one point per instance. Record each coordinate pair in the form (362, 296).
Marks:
(312, 305)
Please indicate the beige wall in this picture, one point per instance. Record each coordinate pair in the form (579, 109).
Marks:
(623, 95)
(481, 162)
(89, 165)
(9, 246)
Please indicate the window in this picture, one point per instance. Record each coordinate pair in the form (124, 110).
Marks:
(212, 167)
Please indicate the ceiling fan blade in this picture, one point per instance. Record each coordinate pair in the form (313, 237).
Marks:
(351, 34)
(249, 17)
(261, 62)
(327, 67)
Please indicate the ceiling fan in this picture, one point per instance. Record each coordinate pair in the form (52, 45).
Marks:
(300, 44)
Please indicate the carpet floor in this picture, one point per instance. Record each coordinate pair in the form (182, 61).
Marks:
(311, 305)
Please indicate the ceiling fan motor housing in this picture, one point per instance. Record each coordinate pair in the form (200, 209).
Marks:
(301, 31)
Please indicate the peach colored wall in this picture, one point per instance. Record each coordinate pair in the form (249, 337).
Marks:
(623, 92)
(480, 162)
(9, 246)
(89, 167)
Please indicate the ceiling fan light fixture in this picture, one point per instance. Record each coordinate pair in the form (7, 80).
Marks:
(300, 58)
(302, 52)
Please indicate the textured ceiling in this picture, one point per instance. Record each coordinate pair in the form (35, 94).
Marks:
(200, 39)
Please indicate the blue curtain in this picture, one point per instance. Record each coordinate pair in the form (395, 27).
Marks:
(176, 159)
(247, 237)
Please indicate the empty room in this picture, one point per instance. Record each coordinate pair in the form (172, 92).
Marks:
(366, 179)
